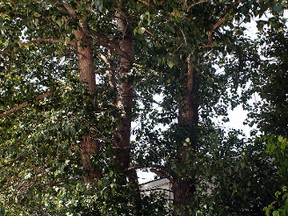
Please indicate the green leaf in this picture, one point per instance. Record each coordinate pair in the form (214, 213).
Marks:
(170, 63)
(139, 30)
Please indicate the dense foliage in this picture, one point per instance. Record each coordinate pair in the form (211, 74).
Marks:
(75, 75)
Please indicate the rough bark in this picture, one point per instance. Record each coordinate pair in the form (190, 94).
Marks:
(183, 186)
(85, 61)
(89, 144)
(125, 93)
(125, 103)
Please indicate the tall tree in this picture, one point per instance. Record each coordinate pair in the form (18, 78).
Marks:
(193, 89)
(271, 83)
(76, 74)
(270, 114)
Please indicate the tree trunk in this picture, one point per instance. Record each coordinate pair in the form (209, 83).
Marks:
(125, 93)
(89, 144)
(183, 184)
(125, 103)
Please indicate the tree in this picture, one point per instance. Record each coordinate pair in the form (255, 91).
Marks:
(271, 83)
(277, 148)
(271, 117)
(74, 76)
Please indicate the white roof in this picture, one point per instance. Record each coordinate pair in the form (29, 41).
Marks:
(158, 183)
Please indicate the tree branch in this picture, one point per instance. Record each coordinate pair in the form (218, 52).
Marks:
(24, 104)
(111, 73)
(220, 22)
(107, 43)
(39, 40)
(147, 3)
(68, 8)
(196, 3)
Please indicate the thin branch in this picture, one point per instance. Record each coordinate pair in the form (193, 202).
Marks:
(104, 59)
(150, 100)
(107, 43)
(39, 40)
(100, 69)
(68, 8)
(149, 32)
(111, 73)
(195, 3)
(24, 104)
(71, 11)
(147, 3)
(220, 22)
